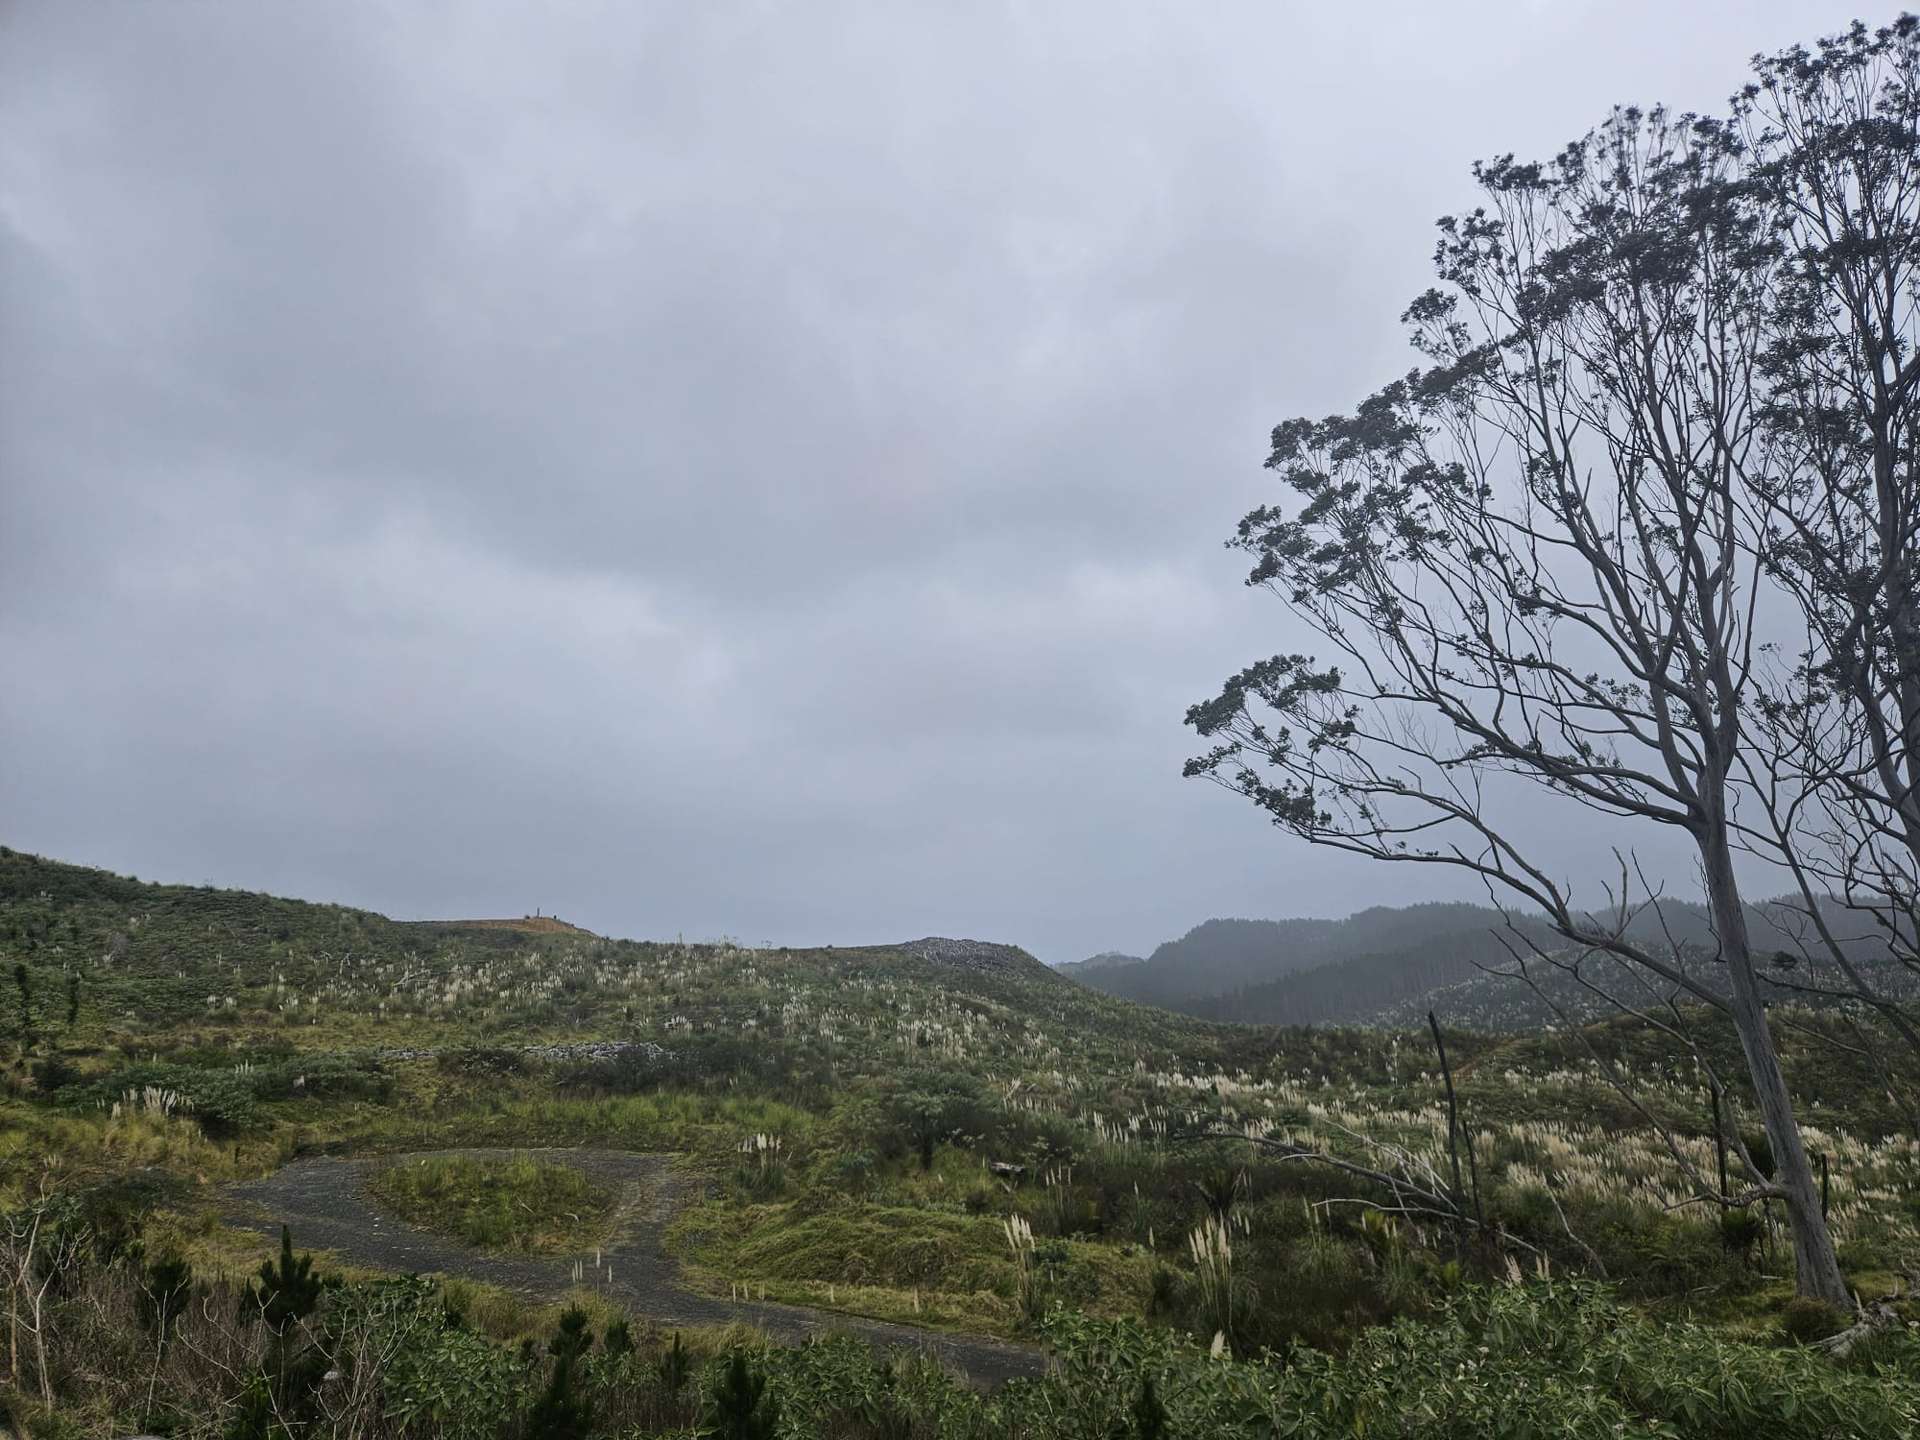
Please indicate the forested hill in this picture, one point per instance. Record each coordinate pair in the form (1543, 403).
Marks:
(1209, 959)
(1227, 957)
(1388, 965)
(1361, 988)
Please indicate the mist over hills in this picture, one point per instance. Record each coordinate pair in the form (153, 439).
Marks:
(1260, 970)
(1210, 959)
(1387, 965)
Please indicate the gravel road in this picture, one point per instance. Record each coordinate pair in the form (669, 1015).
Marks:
(325, 1201)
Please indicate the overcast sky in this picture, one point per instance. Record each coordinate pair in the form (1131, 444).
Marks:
(705, 468)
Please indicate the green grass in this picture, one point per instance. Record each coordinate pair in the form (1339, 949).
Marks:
(519, 1204)
(906, 1255)
(288, 1029)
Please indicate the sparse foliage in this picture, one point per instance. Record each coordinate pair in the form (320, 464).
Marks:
(1546, 558)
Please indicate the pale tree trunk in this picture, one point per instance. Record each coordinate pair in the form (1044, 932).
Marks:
(1816, 1267)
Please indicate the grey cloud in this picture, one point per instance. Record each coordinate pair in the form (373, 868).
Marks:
(708, 469)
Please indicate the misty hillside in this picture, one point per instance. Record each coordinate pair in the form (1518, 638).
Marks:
(1234, 958)
(1390, 965)
(1356, 990)
(1211, 958)
(1105, 960)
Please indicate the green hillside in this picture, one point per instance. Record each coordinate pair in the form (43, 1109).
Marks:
(1388, 966)
(1305, 971)
(941, 1134)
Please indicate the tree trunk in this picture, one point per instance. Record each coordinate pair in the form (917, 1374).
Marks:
(1816, 1267)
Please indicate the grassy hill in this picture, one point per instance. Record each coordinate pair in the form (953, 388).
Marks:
(525, 925)
(940, 1133)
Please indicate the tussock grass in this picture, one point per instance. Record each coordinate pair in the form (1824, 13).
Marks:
(522, 1204)
(892, 1247)
(663, 1120)
(906, 1263)
(292, 1029)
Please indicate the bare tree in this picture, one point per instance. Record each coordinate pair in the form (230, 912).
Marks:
(1834, 140)
(1535, 566)
(37, 1251)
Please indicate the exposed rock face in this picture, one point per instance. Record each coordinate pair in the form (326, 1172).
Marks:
(969, 954)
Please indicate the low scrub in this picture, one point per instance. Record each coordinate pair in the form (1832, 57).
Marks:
(404, 1358)
(516, 1203)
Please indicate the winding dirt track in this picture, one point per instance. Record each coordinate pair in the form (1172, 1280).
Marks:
(324, 1200)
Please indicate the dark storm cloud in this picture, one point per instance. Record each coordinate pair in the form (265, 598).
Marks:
(708, 468)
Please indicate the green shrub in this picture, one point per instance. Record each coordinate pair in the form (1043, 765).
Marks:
(482, 1061)
(571, 1337)
(930, 1107)
(54, 1072)
(445, 1380)
(220, 1100)
(1804, 1319)
(738, 1406)
(895, 1247)
(1164, 1296)
(510, 1204)
(285, 1294)
(1149, 1414)
(674, 1366)
(321, 1077)
(1741, 1232)
(562, 1412)
(1559, 1360)
(853, 1172)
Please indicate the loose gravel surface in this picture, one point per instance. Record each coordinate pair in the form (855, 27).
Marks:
(325, 1201)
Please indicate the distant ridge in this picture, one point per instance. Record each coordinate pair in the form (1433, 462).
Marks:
(1220, 958)
(1105, 960)
(984, 955)
(525, 925)
(1355, 971)
(1389, 966)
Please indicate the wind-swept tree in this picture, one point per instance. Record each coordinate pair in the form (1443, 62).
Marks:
(1534, 565)
(931, 1106)
(1833, 139)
